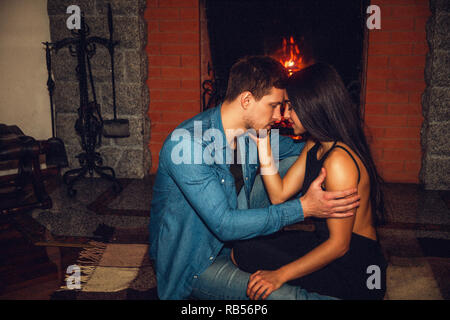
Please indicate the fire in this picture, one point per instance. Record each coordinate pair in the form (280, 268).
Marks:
(290, 56)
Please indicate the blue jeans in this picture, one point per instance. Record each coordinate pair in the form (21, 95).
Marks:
(224, 281)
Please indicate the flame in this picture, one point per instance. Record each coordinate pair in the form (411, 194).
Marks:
(290, 56)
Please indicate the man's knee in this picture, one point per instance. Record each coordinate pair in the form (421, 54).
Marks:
(221, 280)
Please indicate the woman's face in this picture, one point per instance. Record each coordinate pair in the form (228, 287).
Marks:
(292, 117)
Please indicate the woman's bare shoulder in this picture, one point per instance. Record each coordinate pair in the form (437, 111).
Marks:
(341, 156)
(341, 169)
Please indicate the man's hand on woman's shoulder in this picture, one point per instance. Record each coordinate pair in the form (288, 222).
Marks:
(328, 204)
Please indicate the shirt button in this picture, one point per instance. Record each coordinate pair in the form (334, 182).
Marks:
(210, 258)
(223, 180)
(246, 178)
(195, 277)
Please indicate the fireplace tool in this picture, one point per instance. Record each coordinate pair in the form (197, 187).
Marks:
(56, 151)
(115, 128)
(89, 123)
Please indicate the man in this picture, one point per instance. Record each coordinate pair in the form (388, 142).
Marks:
(195, 211)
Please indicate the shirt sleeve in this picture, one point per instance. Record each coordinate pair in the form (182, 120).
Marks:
(202, 188)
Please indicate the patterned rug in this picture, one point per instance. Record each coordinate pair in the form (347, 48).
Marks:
(110, 272)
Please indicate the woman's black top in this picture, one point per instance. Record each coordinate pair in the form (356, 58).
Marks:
(359, 274)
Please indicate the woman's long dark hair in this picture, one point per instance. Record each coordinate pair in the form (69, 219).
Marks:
(326, 111)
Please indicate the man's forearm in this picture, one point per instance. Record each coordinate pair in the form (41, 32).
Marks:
(250, 223)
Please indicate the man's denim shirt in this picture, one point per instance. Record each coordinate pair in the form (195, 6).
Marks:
(194, 203)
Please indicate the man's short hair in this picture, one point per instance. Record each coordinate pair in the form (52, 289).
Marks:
(257, 74)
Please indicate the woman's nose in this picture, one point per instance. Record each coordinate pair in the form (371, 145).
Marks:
(287, 113)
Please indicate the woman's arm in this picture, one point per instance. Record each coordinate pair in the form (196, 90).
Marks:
(281, 189)
(342, 174)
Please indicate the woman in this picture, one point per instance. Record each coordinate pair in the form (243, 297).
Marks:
(340, 257)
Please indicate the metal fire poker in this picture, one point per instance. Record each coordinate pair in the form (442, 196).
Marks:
(115, 128)
(56, 154)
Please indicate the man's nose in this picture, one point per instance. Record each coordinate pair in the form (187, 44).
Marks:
(277, 114)
(287, 113)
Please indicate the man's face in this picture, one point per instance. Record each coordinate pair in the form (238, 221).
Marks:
(262, 114)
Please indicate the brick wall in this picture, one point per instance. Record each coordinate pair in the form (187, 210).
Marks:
(395, 83)
(173, 50)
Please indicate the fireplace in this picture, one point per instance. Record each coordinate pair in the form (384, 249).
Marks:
(398, 74)
(167, 52)
(382, 68)
(297, 33)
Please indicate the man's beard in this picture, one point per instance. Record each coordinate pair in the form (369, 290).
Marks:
(251, 124)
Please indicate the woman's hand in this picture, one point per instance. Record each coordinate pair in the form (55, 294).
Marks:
(261, 139)
(262, 283)
(266, 161)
